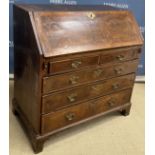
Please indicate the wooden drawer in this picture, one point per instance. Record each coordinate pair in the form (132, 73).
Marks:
(58, 100)
(67, 80)
(64, 117)
(110, 101)
(53, 121)
(72, 64)
(120, 56)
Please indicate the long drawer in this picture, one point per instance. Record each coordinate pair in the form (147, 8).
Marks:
(59, 100)
(53, 121)
(67, 80)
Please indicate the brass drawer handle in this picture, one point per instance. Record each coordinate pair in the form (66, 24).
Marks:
(115, 86)
(111, 103)
(73, 79)
(72, 97)
(70, 116)
(120, 57)
(96, 88)
(98, 72)
(76, 64)
(118, 70)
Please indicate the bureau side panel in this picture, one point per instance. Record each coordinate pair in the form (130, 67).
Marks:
(27, 68)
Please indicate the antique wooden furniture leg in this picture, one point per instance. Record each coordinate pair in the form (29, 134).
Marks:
(36, 140)
(15, 112)
(126, 111)
(37, 145)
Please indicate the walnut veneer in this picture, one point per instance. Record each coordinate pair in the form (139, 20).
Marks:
(71, 64)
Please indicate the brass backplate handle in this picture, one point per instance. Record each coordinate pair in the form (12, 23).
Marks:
(98, 72)
(111, 102)
(118, 70)
(120, 57)
(72, 97)
(96, 88)
(73, 79)
(76, 64)
(70, 116)
(91, 15)
(115, 86)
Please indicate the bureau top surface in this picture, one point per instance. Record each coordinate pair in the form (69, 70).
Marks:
(65, 30)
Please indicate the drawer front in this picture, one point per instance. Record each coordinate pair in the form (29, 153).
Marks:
(59, 100)
(62, 118)
(72, 64)
(110, 101)
(67, 80)
(120, 56)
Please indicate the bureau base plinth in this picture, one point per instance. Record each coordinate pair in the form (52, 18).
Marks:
(126, 111)
(37, 140)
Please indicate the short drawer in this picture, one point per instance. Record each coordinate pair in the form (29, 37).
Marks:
(120, 56)
(59, 100)
(72, 64)
(65, 117)
(67, 80)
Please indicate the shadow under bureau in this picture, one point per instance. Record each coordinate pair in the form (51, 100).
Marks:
(71, 64)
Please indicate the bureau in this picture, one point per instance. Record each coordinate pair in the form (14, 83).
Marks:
(71, 64)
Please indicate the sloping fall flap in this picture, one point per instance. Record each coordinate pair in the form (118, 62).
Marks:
(63, 33)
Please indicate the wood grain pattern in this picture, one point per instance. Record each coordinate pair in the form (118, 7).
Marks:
(119, 56)
(27, 68)
(64, 81)
(73, 114)
(66, 56)
(72, 64)
(108, 29)
(69, 97)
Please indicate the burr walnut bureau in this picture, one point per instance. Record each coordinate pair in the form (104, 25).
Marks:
(71, 64)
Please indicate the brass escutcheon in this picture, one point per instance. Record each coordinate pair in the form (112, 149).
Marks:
(91, 15)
